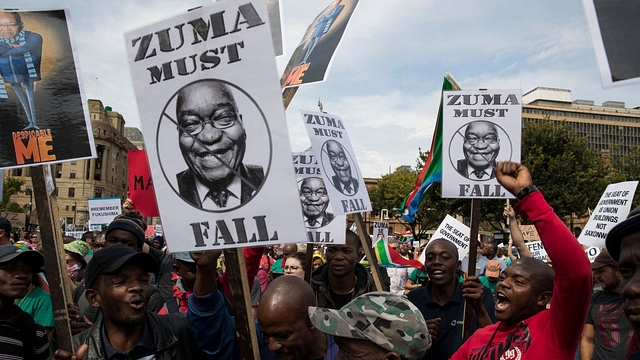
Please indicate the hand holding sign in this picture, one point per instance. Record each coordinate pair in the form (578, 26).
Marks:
(513, 176)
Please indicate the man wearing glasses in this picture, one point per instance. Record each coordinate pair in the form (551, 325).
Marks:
(481, 148)
(212, 140)
(315, 200)
(342, 180)
(20, 57)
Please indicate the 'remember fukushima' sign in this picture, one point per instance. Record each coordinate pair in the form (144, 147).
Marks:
(44, 115)
(103, 210)
(213, 122)
(480, 128)
(337, 162)
(323, 226)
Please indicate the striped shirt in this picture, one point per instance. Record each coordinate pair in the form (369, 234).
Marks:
(12, 337)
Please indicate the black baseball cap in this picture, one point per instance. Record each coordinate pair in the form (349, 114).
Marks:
(614, 237)
(5, 225)
(113, 257)
(10, 252)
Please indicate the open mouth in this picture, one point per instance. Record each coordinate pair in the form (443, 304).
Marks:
(137, 303)
(502, 302)
(437, 274)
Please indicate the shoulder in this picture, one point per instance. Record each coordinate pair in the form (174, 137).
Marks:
(254, 171)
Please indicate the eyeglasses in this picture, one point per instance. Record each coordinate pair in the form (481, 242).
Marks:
(335, 157)
(194, 125)
(489, 139)
(8, 25)
(319, 193)
(292, 268)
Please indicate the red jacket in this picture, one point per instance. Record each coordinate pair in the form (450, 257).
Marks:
(550, 334)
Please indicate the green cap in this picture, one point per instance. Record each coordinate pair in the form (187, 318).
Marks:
(386, 319)
(77, 246)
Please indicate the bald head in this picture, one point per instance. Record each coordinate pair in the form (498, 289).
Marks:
(287, 294)
(541, 275)
(289, 249)
(451, 249)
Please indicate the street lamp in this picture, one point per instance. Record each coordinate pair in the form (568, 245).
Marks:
(384, 215)
(28, 191)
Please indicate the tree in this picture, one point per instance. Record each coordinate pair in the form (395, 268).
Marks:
(11, 187)
(571, 176)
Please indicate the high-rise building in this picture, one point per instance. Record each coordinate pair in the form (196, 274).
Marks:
(77, 181)
(610, 127)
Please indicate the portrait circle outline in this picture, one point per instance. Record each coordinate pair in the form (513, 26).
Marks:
(164, 117)
(324, 156)
(328, 210)
(501, 135)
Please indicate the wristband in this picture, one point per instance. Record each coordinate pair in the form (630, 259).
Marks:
(526, 191)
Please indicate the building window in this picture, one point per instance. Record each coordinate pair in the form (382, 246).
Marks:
(72, 174)
(72, 192)
(98, 193)
(74, 162)
(16, 172)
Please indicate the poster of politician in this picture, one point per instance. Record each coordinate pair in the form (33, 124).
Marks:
(312, 58)
(479, 129)
(337, 162)
(616, 39)
(213, 122)
(323, 226)
(44, 117)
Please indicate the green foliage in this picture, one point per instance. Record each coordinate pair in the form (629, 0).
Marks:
(11, 187)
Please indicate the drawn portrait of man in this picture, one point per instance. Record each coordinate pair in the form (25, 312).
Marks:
(481, 147)
(342, 179)
(20, 58)
(315, 201)
(212, 140)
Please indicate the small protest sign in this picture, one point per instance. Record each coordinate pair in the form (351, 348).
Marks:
(537, 250)
(45, 115)
(213, 122)
(322, 225)
(103, 210)
(17, 220)
(480, 128)
(592, 253)
(529, 232)
(141, 184)
(337, 162)
(380, 230)
(74, 234)
(613, 207)
(454, 231)
(310, 61)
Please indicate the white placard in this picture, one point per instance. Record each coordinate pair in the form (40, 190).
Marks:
(592, 253)
(537, 250)
(322, 225)
(103, 210)
(614, 206)
(454, 231)
(213, 121)
(479, 129)
(337, 162)
(380, 230)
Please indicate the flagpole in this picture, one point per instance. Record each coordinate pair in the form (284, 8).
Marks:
(467, 327)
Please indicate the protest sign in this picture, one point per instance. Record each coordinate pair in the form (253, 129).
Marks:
(614, 32)
(323, 226)
(613, 207)
(310, 61)
(103, 210)
(141, 184)
(338, 165)
(213, 122)
(74, 234)
(537, 250)
(45, 116)
(592, 253)
(454, 231)
(380, 230)
(150, 231)
(529, 232)
(479, 129)
(17, 220)
(159, 230)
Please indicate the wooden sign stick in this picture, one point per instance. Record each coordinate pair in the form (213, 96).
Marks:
(51, 237)
(308, 268)
(241, 302)
(365, 240)
(467, 326)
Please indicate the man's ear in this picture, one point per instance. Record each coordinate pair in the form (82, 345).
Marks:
(392, 355)
(176, 269)
(93, 297)
(544, 298)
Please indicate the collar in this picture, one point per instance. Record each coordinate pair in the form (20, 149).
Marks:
(141, 350)
(457, 295)
(235, 187)
(472, 176)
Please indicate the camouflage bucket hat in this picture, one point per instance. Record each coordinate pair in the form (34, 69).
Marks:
(77, 246)
(386, 319)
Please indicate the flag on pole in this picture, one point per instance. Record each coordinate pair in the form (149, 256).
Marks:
(390, 258)
(432, 169)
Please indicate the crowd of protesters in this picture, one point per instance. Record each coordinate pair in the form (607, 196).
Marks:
(132, 299)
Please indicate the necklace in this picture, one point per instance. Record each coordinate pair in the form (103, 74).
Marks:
(25, 297)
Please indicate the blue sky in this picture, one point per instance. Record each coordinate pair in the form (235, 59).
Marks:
(387, 73)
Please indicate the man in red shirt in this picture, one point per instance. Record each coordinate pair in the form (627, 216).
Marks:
(526, 330)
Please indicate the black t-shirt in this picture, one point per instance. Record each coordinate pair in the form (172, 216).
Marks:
(610, 324)
(341, 300)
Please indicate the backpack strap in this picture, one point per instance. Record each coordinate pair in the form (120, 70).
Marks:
(172, 306)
